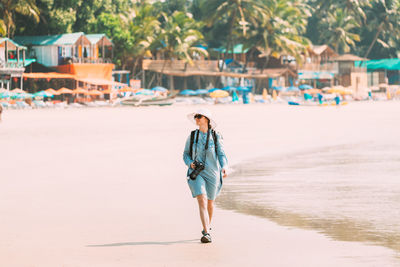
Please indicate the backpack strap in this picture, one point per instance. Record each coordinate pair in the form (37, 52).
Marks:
(191, 143)
(192, 134)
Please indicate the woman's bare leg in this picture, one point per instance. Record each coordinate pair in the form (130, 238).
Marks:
(205, 221)
(210, 209)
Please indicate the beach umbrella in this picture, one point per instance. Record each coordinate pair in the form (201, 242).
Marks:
(336, 90)
(79, 91)
(213, 89)
(229, 88)
(305, 87)
(42, 94)
(107, 91)
(126, 89)
(312, 91)
(64, 91)
(51, 91)
(292, 89)
(145, 92)
(159, 89)
(94, 92)
(201, 92)
(278, 88)
(219, 94)
(18, 91)
(187, 92)
(28, 95)
(244, 88)
(5, 94)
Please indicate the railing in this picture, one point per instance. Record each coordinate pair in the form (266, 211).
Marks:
(332, 67)
(180, 65)
(11, 65)
(90, 60)
(350, 70)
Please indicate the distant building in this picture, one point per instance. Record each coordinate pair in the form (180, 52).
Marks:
(12, 63)
(55, 50)
(348, 73)
(318, 69)
(88, 57)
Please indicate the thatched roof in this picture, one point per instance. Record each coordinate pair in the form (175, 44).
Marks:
(209, 68)
(349, 57)
(267, 73)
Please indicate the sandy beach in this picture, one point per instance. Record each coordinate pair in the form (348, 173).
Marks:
(107, 186)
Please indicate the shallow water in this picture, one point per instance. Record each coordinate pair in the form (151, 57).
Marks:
(348, 192)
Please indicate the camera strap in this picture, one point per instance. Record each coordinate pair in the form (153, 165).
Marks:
(206, 146)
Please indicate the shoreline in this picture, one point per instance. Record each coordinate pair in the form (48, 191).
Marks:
(99, 200)
(253, 177)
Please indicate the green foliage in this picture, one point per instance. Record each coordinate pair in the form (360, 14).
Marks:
(173, 29)
(179, 36)
(113, 26)
(339, 31)
(8, 11)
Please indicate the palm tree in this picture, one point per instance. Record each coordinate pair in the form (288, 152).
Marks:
(179, 38)
(235, 15)
(339, 31)
(354, 7)
(280, 34)
(144, 28)
(383, 19)
(8, 9)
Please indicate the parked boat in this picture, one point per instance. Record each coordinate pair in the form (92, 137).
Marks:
(145, 100)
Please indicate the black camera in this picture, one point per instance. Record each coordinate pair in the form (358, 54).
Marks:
(198, 167)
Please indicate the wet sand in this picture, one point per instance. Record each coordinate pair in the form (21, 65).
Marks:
(106, 186)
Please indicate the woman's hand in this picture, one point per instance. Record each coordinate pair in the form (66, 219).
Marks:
(192, 166)
(224, 174)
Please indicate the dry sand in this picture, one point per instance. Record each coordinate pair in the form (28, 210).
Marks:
(106, 186)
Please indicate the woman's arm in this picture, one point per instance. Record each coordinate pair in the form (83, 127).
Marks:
(223, 161)
(186, 156)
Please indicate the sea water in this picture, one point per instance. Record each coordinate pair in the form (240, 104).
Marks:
(348, 192)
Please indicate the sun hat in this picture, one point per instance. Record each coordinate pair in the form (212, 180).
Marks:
(205, 113)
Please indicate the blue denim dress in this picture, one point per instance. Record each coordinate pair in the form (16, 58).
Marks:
(209, 181)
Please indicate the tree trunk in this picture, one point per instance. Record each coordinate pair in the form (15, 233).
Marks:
(185, 83)
(380, 28)
(135, 63)
(264, 64)
(171, 82)
(152, 79)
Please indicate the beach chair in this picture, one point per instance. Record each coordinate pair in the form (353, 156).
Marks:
(5, 105)
(39, 104)
(22, 105)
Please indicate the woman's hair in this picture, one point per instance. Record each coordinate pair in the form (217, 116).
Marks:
(208, 122)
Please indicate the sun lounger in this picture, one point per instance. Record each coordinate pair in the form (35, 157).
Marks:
(39, 104)
(23, 105)
(75, 105)
(5, 105)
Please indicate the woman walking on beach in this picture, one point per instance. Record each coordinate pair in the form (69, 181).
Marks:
(205, 157)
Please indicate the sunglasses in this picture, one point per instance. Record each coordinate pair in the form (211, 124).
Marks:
(198, 116)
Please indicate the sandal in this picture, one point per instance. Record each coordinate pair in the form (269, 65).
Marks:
(209, 231)
(206, 238)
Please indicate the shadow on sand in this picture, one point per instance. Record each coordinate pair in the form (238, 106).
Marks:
(164, 243)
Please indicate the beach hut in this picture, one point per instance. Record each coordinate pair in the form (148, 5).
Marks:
(54, 50)
(99, 47)
(12, 63)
